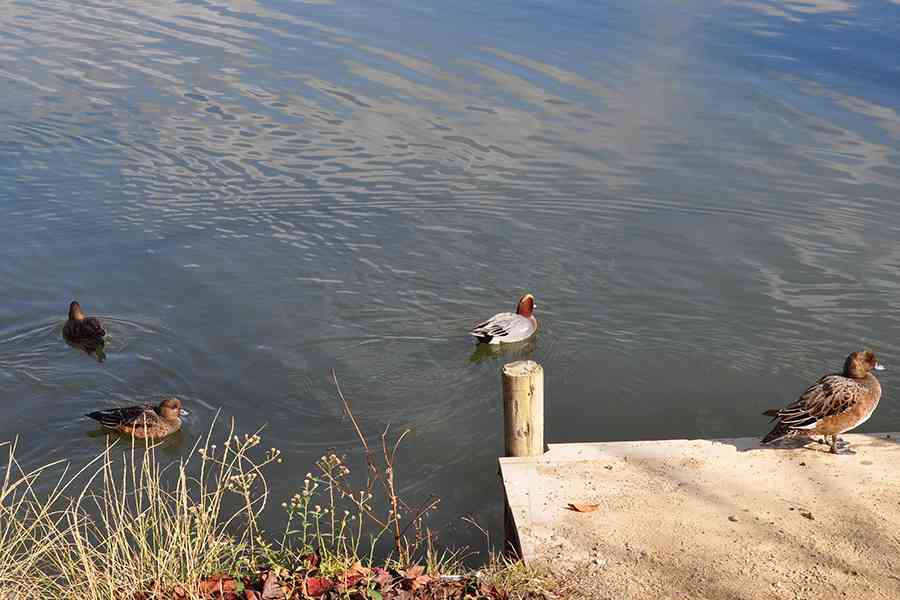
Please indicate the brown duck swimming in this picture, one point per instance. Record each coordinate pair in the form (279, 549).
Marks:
(82, 329)
(150, 422)
(835, 404)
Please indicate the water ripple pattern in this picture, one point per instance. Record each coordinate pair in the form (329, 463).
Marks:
(249, 193)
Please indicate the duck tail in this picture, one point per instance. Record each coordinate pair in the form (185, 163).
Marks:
(482, 339)
(107, 418)
(774, 413)
(779, 432)
(96, 415)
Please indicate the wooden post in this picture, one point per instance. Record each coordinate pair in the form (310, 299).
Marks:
(523, 408)
(523, 427)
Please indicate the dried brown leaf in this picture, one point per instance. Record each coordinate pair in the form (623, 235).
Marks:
(413, 571)
(582, 508)
(420, 582)
(217, 585)
(382, 577)
(271, 590)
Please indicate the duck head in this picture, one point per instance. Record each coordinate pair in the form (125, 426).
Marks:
(526, 305)
(170, 409)
(859, 364)
(75, 312)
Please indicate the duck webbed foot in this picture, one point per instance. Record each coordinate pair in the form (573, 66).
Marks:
(839, 446)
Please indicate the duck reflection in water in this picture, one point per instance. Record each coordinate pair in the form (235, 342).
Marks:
(92, 347)
(515, 351)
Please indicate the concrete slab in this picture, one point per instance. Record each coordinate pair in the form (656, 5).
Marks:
(714, 518)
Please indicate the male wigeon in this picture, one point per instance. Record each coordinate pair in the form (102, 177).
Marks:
(834, 405)
(145, 421)
(508, 328)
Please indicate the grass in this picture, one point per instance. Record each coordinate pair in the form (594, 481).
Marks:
(127, 525)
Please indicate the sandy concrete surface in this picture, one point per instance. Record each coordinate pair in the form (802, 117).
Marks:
(717, 519)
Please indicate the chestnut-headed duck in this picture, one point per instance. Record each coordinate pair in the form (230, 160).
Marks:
(150, 422)
(508, 328)
(80, 328)
(836, 404)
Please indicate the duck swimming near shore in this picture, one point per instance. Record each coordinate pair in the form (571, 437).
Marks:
(836, 404)
(508, 328)
(82, 329)
(146, 422)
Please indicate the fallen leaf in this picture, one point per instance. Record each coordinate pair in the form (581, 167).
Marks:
(358, 569)
(492, 592)
(382, 577)
(413, 571)
(353, 575)
(271, 590)
(317, 586)
(419, 581)
(582, 508)
(217, 585)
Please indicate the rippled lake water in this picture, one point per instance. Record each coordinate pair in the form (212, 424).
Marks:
(701, 195)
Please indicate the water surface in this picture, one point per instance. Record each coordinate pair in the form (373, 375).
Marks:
(702, 196)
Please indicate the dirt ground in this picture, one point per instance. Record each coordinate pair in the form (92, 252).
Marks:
(720, 519)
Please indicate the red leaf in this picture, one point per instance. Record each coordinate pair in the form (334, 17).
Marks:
(317, 586)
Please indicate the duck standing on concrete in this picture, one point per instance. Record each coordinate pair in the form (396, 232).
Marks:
(508, 328)
(146, 422)
(80, 329)
(834, 405)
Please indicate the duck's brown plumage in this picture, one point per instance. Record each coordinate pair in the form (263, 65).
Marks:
(835, 404)
(143, 421)
(79, 328)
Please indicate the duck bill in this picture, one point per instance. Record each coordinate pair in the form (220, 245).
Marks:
(879, 366)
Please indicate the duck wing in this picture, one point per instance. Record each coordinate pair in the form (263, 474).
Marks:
(830, 396)
(117, 417)
(89, 328)
(507, 327)
(94, 327)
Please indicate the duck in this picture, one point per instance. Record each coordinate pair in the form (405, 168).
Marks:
(80, 328)
(834, 405)
(146, 421)
(509, 328)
